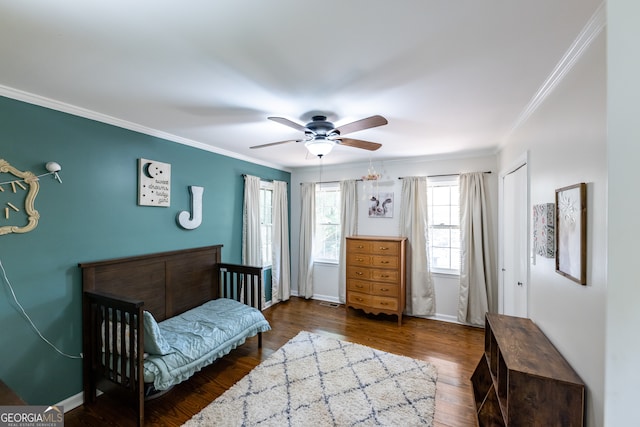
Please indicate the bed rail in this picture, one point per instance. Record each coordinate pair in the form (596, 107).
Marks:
(242, 283)
(113, 346)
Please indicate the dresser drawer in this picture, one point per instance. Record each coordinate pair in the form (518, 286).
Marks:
(385, 275)
(384, 289)
(358, 259)
(385, 248)
(384, 261)
(384, 302)
(358, 246)
(356, 285)
(355, 272)
(359, 298)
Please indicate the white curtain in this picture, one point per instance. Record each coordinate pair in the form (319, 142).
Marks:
(476, 278)
(281, 267)
(348, 227)
(251, 242)
(307, 231)
(420, 293)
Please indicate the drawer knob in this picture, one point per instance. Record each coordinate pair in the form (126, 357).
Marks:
(359, 299)
(360, 246)
(384, 289)
(359, 273)
(384, 262)
(382, 248)
(359, 259)
(386, 276)
(384, 303)
(359, 286)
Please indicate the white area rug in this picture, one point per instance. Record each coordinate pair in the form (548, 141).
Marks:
(318, 381)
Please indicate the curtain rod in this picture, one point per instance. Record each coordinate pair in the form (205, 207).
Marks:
(328, 182)
(437, 176)
(244, 175)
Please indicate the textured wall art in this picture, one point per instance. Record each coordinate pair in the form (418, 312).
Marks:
(544, 230)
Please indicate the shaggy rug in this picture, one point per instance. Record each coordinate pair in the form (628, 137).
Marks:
(320, 381)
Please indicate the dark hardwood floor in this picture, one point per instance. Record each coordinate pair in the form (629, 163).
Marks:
(453, 349)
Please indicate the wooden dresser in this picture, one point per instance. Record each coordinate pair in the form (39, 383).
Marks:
(522, 380)
(376, 274)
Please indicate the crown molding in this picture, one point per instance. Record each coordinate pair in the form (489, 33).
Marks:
(589, 33)
(52, 104)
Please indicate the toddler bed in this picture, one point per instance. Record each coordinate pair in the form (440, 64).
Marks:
(152, 321)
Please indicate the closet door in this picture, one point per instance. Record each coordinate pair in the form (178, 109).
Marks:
(514, 241)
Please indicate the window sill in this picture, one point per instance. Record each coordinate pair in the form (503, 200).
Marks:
(325, 262)
(446, 274)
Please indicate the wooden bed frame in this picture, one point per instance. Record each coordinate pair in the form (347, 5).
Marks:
(165, 284)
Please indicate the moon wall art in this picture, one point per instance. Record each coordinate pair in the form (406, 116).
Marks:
(154, 183)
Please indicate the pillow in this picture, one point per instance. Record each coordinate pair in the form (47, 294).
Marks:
(154, 342)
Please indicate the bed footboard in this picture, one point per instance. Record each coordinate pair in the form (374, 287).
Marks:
(242, 283)
(113, 346)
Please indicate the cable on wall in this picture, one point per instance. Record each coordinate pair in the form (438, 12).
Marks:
(26, 316)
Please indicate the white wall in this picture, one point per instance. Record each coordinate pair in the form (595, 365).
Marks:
(566, 141)
(326, 275)
(623, 293)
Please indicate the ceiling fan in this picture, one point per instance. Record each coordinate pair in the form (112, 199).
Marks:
(320, 135)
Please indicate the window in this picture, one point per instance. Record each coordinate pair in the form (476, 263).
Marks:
(444, 225)
(266, 221)
(327, 239)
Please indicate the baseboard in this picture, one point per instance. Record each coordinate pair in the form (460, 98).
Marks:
(326, 298)
(74, 401)
(445, 318)
(441, 317)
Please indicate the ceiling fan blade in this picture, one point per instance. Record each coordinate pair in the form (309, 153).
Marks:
(358, 143)
(368, 123)
(287, 122)
(276, 143)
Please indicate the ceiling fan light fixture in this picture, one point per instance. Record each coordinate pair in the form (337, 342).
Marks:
(320, 146)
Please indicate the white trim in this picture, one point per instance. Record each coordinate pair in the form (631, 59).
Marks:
(591, 30)
(327, 298)
(74, 401)
(403, 161)
(104, 118)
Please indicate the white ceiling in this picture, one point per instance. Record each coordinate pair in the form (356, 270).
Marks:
(451, 76)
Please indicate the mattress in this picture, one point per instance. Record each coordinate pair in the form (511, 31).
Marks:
(198, 337)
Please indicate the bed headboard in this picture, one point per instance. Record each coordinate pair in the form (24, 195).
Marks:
(169, 283)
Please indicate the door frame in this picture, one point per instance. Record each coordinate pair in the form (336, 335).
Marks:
(517, 164)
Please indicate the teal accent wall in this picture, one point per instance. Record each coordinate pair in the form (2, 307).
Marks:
(94, 215)
(267, 280)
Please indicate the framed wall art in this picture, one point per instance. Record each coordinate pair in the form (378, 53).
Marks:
(571, 232)
(544, 234)
(154, 183)
(381, 205)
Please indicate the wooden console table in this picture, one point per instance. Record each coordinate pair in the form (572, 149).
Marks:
(522, 380)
